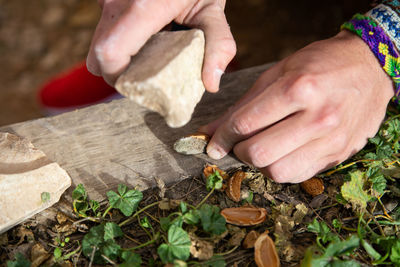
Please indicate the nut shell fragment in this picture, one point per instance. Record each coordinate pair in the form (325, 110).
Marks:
(210, 169)
(265, 253)
(244, 216)
(192, 144)
(250, 239)
(234, 185)
(313, 186)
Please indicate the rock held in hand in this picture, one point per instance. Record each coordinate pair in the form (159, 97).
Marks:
(165, 75)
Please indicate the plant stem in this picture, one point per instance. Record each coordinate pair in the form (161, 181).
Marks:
(145, 244)
(106, 211)
(226, 252)
(130, 219)
(205, 199)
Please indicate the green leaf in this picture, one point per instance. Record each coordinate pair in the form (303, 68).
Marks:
(214, 181)
(322, 230)
(215, 261)
(145, 222)
(112, 230)
(378, 181)
(183, 207)
(94, 205)
(79, 193)
(191, 217)
(45, 197)
(370, 250)
(101, 238)
(249, 198)
(164, 223)
(211, 219)
(57, 253)
(395, 253)
(130, 259)
(178, 246)
(342, 247)
(126, 201)
(353, 191)
(20, 261)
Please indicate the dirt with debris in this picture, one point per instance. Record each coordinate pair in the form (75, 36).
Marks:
(39, 39)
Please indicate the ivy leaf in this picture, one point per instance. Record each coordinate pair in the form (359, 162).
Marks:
(322, 230)
(20, 261)
(130, 259)
(101, 238)
(178, 246)
(79, 197)
(183, 207)
(378, 181)
(126, 201)
(112, 230)
(191, 217)
(211, 219)
(214, 181)
(165, 223)
(353, 191)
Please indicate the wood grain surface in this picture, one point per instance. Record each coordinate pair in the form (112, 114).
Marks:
(121, 142)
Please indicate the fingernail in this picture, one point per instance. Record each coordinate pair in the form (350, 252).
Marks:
(217, 78)
(214, 153)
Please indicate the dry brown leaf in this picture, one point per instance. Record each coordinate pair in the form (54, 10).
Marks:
(237, 235)
(61, 217)
(201, 249)
(250, 239)
(313, 186)
(168, 204)
(66, 228)
(22, 233)
(38, 255)
(234, 185)
(265, 253)
(244, 216)
(192, 144)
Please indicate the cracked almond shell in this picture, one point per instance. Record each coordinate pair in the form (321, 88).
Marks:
(313, 186)
(244, 216)
(192, 144)
(210, 169)
(265, 253)
(250, 239)
(234, 185)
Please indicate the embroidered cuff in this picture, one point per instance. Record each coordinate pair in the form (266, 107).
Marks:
(389, 21)
(379, 43)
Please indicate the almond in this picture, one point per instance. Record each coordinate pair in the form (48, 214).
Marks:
(313, 186)
(244, 216)
(192, 144)
(265, 253)
(250, 239)
(234, 185)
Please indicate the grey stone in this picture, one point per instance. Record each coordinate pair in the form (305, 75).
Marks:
(165, 75)
(29, 181)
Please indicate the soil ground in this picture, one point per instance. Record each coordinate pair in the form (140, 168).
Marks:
(39, 39)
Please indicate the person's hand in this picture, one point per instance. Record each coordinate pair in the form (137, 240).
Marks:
(309, 112)
(125, 26)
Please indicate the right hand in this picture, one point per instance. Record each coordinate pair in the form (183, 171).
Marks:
(125, 26)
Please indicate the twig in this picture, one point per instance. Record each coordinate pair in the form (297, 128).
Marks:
(92, 256)
(205, 199)
(109, 260)
(132, 239)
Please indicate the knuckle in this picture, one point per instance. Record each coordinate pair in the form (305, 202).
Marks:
(328, 120)
(240, 125)
(303, 88)
(104, 53)
(257, 155)
(278, 173)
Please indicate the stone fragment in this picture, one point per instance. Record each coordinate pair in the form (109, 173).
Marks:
(26, 175)
(192, 144)
(165, 75)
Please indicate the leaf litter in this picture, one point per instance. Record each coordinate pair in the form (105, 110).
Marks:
(347, 216)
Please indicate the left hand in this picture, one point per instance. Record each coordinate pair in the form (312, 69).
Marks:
(307, 113)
